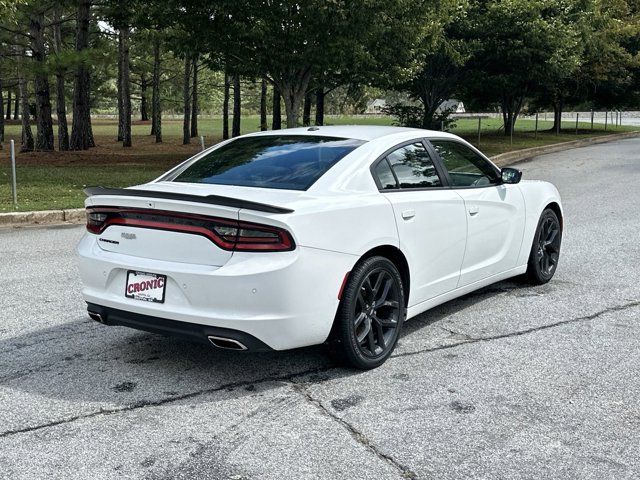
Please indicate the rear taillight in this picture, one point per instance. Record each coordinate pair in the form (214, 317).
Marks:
(95, 221)
(225, 233)
(253, 238)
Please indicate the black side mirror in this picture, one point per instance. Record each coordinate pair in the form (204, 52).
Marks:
(510, 175)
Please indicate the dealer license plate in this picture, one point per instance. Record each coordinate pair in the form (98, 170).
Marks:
(148, 287)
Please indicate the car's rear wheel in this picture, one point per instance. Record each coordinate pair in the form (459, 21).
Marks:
(370, 315)
(545, 251)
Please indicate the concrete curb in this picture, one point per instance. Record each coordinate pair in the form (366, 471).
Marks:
(519, 156)
(44, 217)
(77, 215)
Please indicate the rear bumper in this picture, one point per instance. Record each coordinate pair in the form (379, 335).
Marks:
(283, 299)
(190, 331)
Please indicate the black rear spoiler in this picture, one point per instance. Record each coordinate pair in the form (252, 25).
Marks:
(209, 199)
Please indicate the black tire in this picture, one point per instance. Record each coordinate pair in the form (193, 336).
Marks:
(545, 250)
(370, 315)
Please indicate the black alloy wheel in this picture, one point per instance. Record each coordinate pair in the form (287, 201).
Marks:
(545, 251)
(371, 313)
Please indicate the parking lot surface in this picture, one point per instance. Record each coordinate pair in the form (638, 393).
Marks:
(511, 381)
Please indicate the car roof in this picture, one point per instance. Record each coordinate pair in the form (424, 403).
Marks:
(357, 132)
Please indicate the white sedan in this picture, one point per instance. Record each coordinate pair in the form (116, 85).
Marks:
(279, 240)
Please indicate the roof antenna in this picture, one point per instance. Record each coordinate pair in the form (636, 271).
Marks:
(313, 129)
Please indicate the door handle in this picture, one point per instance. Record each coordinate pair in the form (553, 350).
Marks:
(474, 210)
(408, 214)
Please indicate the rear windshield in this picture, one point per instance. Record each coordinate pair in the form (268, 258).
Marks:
(292, 162)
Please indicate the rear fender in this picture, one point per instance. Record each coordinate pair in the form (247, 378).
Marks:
(351, 224)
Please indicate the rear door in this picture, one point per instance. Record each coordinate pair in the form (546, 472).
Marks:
(431, 218)
(495, 212)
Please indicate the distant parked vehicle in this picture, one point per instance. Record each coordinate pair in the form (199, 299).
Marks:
(278, 240)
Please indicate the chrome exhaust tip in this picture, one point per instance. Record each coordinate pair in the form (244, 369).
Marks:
(226, 343)
(96, 316)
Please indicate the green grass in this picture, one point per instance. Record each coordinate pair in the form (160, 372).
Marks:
(211, 128)
(493, 141)
(53, 181)
(50, 188)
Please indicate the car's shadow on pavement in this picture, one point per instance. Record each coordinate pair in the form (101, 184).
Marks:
(83, 361)
(445, 310)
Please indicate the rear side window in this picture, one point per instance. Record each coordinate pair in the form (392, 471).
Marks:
(291, 162)
(385, 177)
(409, 166)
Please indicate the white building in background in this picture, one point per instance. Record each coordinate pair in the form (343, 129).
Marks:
(374, 107)
(455, 106)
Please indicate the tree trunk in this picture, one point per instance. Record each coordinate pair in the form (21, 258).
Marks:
(263, 105)
(126, 87)
(306, 110)
(426, 118)
(507, 120)
(320, 106)
(292, 108)
(156, 125)
(61, 108)
(511, 107)
(235, 127)
(16, 105)
(276, 123)
(194, 100)
(430, 104)
(92, 143)
(27, 136)
(1, 114)
(81, 133)
(119, 90)
(8, 104)
(186, 98)
(293, 89)
(144, 110)
(61, 112)
(44, 122)
(558, 107)
(225, 108)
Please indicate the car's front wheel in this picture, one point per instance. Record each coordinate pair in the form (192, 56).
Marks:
(545, 251)
(370, 315)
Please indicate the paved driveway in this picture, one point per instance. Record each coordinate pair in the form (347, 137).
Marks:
(508, 382)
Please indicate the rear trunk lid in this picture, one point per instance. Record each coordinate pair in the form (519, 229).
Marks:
(183, 223)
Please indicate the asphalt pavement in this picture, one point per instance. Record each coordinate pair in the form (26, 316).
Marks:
(511, 381)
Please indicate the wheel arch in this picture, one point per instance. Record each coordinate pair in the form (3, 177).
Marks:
(538, 197)
(395, 255)
(555, 207)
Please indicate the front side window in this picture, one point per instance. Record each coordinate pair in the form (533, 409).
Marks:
(291, 162)
(411, 166)
(466, 168)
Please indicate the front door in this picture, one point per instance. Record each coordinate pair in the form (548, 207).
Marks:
(495, 212)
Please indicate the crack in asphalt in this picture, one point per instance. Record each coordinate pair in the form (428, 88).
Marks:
(289, 378)
(166, 400)
(357, 435)
(519, 333)
(453, 333)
